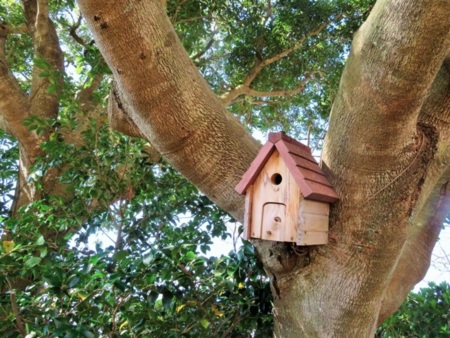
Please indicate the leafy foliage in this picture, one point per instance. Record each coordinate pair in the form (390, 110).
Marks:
(226, 39)
(423, 314)
(153, 270)
(9, 157)
(155, 277)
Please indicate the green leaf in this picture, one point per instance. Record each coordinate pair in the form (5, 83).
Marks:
(148, 258)
(205, 323)
(73, 281)
(88, 334)
(40, 241)
(32, 261)
(43, 251)
(190, 255)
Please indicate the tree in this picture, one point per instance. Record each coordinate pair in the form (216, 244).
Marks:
(423, 314)
(385, 150)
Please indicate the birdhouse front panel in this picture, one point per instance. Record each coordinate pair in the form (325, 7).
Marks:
(275, 202)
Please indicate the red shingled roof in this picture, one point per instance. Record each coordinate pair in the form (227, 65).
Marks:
(302, 165)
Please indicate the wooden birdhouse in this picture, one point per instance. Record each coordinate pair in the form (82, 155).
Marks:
(287, 196)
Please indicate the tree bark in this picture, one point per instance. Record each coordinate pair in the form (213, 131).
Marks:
(170, 102)
(385, 153)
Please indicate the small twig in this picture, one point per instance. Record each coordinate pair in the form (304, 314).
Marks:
(16, 310)
(73, 32)
(236, 320)
(196, 295)
(207, 47)
(309, 135)
(177, 9)
(195, 18)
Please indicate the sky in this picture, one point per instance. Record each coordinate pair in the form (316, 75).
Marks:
(439, 270)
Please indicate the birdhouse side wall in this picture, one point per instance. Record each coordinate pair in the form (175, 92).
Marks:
(274, 202)
(313, 222)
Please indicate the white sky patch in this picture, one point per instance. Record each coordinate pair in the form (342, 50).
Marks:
(439, 270)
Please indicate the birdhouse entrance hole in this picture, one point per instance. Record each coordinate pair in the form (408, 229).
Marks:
(276, 179)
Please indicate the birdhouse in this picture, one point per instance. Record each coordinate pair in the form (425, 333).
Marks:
(287, 196)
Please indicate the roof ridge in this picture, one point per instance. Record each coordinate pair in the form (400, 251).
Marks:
(281, 136)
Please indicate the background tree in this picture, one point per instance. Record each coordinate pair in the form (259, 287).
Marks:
(274, 65)
(423, 314)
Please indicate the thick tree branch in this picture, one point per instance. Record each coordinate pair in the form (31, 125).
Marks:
(19, 29)
(169, 100)
(47, 48)
(14, 106)
(433, 203)
(416, 254)
(394, 59)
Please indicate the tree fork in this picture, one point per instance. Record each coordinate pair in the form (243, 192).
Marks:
(375, 153)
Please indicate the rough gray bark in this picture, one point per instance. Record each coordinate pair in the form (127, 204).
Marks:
(386, 153)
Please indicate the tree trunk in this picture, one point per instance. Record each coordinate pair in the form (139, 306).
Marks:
(385, 152)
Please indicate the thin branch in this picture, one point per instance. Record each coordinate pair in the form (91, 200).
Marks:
(243, 90)
(273, 93)
(260, 66)
(119, 226)
(237, 319)
(208, 46)
(14, 109)
(73, 32)
(177, 9)
(16, 310)
(257, 102)
(85, 95)
(197, 296)
(195, 18)
(229, 97)
(19, 29)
